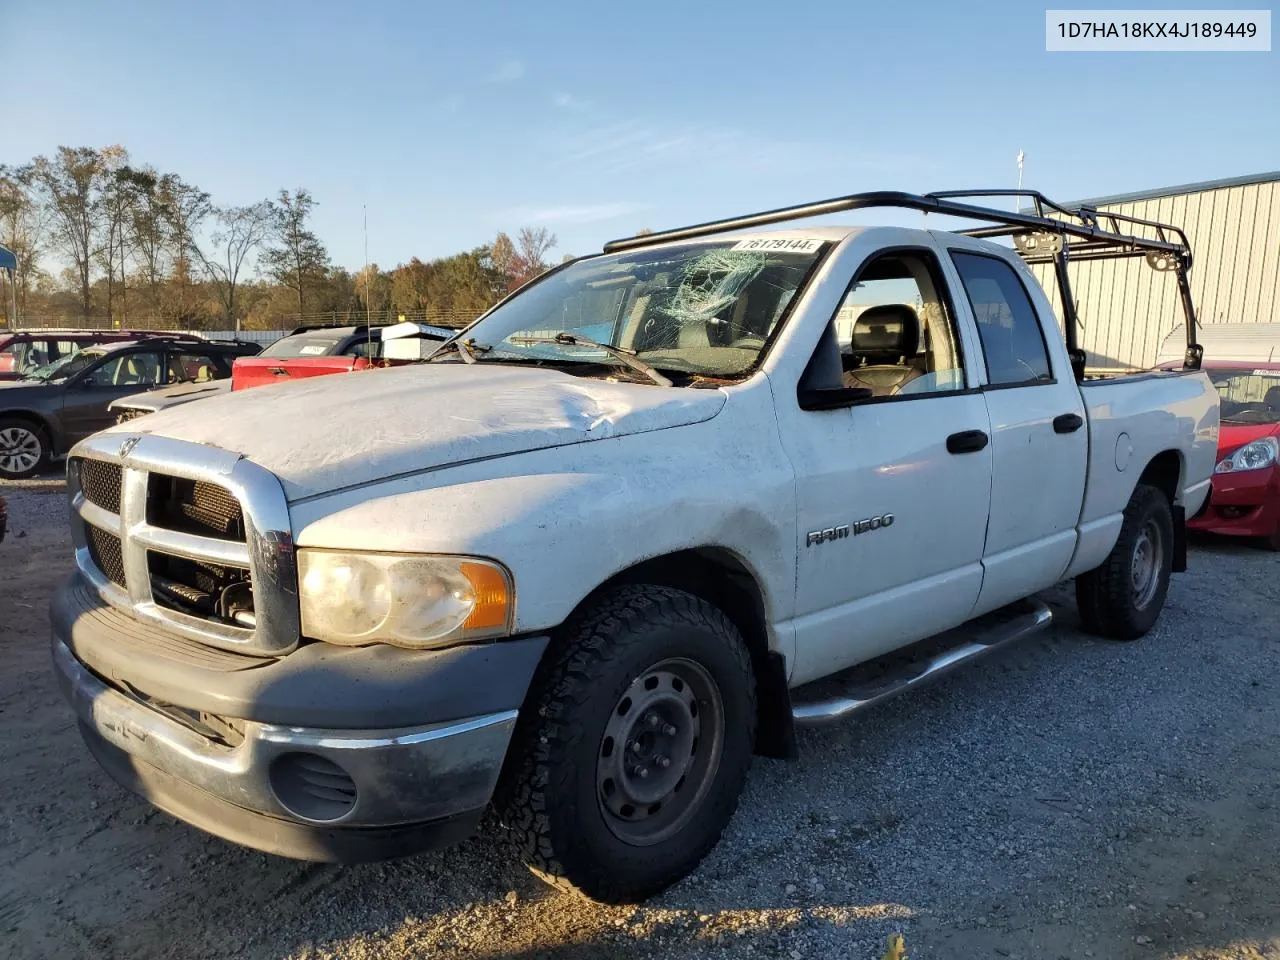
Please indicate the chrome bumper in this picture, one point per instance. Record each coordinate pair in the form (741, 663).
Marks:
(383, 778)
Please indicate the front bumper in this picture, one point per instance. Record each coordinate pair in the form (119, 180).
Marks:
(313, 792)
(1244, 504)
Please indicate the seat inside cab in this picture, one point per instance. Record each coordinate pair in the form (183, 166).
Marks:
(893, 333)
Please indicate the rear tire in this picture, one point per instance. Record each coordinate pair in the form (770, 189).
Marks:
(24, 449)
(1122, 598)
(1273, 542)
(635, 747)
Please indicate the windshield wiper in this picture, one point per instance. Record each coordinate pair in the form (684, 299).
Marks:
(467, 349)
(627, 357)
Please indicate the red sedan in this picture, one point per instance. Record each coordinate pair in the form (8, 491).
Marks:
(1245, 501)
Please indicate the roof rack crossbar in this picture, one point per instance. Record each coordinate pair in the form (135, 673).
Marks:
(1080, 225)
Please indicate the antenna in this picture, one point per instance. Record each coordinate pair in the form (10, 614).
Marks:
(1021, 156)
(368, 302)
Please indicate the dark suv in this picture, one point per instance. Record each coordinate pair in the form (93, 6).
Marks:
(23, 351)
(54, 406)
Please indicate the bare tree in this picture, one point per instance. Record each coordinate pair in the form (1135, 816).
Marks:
(532, 246)
(521, 261)
(185, 208)
(112, 212)
(71, 182)
(240, 231)
(299, 260)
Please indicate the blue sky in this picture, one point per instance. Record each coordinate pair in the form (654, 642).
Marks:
(453, 121)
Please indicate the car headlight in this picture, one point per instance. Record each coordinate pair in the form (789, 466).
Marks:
(408, 600)
(1252, 456)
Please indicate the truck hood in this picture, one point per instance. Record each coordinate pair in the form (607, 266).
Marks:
(323, 434)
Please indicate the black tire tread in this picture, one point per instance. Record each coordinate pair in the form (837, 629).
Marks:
(1102, 594)
(584, 650)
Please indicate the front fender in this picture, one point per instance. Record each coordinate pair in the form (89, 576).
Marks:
(569, 519)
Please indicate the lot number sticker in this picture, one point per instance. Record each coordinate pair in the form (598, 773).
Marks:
(780, 244)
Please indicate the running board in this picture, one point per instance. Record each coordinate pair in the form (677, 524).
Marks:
(861, 687)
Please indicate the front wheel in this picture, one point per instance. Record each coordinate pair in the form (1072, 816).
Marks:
(636, 747)
(1122, 598)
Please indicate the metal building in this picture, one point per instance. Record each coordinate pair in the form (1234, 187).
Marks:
(1127, 310)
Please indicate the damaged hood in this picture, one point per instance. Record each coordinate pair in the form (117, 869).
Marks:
(345, 430)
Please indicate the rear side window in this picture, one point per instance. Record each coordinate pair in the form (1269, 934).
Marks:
(303, 345)
(196, 368)
(1012, 340)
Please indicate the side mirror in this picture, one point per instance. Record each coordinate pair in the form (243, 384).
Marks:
(90, 383)
(832, 398)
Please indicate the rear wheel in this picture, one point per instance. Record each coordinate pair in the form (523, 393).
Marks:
(24, 450)
(1122, 598)
(636, 747)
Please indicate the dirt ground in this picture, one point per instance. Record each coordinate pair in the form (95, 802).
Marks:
(1071, 798)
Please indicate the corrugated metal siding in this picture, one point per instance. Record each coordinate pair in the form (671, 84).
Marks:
(1126, 309)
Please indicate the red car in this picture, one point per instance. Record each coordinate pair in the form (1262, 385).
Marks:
(1245, 501)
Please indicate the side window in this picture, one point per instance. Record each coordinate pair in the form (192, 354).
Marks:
(195, 368)
(140, 370)
(895, 330)
(1012, 340)
(24, 356)
(66, 348)
(364, 348)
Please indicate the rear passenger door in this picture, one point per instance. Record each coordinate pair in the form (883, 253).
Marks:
(1039, 441)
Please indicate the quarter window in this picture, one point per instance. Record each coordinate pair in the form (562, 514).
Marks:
(1012, 341)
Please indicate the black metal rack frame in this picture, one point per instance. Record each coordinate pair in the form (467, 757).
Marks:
(1048, 233)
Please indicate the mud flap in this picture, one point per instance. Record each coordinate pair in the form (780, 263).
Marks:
(1179, 539)
(775, 729)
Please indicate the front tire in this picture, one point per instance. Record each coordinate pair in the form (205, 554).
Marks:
(24, 449)
(1122, 598)
(636, 746)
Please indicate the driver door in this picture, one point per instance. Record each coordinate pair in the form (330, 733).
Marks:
(84, 405)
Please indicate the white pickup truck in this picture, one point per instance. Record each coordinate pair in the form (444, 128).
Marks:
(626, 530)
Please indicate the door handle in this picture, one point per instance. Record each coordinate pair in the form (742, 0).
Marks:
(967, 441)
(1067, 423)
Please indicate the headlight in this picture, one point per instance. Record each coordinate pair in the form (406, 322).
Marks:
(1252, 456)
(403, 599)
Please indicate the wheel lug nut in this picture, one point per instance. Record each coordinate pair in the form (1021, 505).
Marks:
(652, 719)
(633, 746)
(662, 761)
(641, 772)
(668, 730)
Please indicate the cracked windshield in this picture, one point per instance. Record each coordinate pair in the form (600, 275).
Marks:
(703, 310)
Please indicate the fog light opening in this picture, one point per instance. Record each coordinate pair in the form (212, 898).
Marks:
(312, 787)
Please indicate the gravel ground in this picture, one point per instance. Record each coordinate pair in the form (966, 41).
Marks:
(1068, 798)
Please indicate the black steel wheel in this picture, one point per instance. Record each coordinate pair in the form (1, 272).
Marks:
(1122, 598)
(633, 747)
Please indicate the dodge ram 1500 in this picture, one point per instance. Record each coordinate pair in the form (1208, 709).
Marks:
(627, 529)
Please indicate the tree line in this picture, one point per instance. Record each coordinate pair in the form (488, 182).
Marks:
(102, 239)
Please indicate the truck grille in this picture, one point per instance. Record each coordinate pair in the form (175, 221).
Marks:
(194, 506)
(192, 558)
(105, 551)
(100, 482)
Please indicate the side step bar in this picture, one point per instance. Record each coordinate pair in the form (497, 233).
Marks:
(968, 642)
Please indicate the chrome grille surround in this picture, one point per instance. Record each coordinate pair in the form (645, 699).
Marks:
(267, 552)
